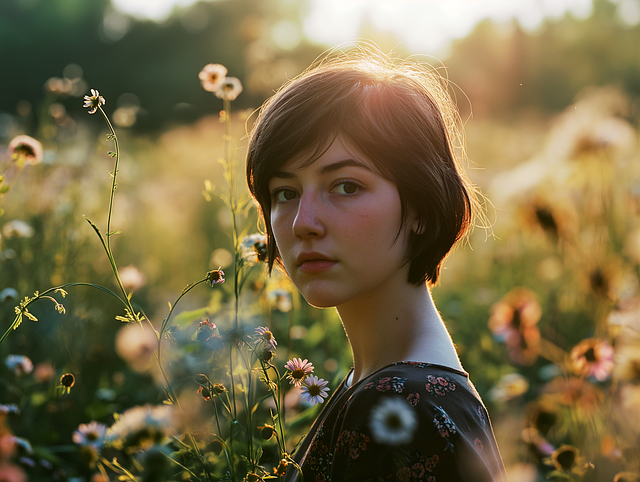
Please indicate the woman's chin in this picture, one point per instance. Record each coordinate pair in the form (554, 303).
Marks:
(318, 302)
(318, 299)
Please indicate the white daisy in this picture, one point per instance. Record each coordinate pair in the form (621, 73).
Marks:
(393, 422)
(314, 390)
(229, 89)
(93, 101)
(153, 422)
(18, 229)
(19, 364)
(91, 434)
(212, 76)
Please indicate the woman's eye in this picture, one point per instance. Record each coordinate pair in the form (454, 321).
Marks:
(284, 195)
(346, 188)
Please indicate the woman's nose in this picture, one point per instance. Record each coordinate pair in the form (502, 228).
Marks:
(307, 221)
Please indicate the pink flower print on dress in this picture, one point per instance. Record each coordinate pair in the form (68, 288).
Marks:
(439, 386)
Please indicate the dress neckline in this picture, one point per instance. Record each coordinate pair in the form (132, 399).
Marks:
(347, 382)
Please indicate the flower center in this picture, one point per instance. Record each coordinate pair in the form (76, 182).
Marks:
(590, 355)
(297, 374)
(25, 150)
(567, 459)
(92, 436)
(314, 390)
(393, 421)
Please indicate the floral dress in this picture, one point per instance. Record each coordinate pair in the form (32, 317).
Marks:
(406, 422)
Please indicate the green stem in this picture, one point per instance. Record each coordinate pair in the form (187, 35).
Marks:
(18, 319)
(115, 173)
(275, 394)
(179, 464)
(224, 446)
(248, 408)
(170, 393)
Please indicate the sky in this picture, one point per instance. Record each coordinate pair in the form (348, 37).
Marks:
(422, 25)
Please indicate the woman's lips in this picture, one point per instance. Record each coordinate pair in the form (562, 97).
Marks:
(316, 265)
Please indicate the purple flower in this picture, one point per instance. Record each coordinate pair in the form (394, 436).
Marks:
(265, 335)
(298, 369)
(314, 390)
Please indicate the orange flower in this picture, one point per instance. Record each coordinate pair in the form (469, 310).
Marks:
(575, 392)
(593, 357)
(514, 320)
(281, 469)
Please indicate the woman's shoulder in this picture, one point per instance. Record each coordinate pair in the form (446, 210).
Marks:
(405, 377)
(415, 415)
(427, 388)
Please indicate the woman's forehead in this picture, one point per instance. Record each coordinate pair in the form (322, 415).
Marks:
(333, 155)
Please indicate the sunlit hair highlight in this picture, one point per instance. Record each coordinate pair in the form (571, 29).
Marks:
(399, 115)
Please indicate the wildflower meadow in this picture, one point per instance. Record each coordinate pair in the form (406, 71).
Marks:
(143, 339)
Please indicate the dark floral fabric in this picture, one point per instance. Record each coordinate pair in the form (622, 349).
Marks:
(407, 422)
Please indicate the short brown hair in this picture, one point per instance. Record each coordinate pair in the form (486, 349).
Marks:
(398, 114)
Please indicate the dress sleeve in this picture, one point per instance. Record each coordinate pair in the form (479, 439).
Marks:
(430, 430)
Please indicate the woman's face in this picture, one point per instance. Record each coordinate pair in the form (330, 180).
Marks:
(335, 223)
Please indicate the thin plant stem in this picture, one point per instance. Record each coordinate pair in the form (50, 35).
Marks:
(19, 316)
(180, 465)
(114, 185)
(248, 408)
(216, 416)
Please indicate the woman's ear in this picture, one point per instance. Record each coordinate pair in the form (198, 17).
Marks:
(417, 227)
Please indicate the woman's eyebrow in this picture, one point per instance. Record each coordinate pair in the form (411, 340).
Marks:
(340, 164)
(283, 175)
(324, 169)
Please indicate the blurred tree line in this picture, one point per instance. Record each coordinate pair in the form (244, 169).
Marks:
(157, 62)
(501, 68)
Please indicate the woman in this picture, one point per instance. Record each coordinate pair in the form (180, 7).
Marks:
(352, 165)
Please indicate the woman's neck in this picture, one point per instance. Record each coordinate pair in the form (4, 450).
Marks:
(396, 324)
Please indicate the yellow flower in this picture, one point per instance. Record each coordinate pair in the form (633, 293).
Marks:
(567, 459)
(266, 431)
(67, 381)
(510, 386)
(628, 363)
(281, 469)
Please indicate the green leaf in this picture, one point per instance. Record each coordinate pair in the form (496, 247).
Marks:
(18, 321)
(30, 316)
(187, 317)
(112, 154)
(557, 474)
